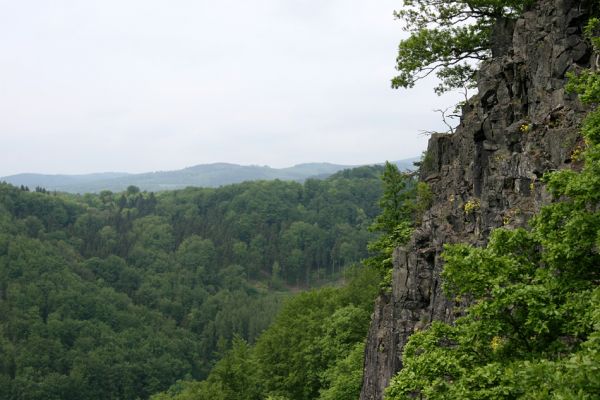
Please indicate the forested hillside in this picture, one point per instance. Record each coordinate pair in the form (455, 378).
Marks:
(119, 295)
(314, 348)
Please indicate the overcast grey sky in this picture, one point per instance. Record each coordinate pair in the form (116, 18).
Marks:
(145, 85)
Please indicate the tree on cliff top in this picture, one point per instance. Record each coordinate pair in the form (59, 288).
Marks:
(446, 37)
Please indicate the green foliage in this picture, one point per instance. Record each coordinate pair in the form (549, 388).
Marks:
(395, 203)
(533, 327)
(290, 354)
(236, 373)
(398, 208)
(344, 379)
(302, 353)
(424, 200)
(446, 37)
(120, 295)
(591, 31)
(587, 85)
(313, 350)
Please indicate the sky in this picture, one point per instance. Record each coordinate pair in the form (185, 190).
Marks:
(147, 85)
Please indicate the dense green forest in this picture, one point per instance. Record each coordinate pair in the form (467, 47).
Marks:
(120, 295)
(314, 348)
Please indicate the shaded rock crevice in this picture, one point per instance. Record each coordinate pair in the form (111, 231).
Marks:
(520, 125)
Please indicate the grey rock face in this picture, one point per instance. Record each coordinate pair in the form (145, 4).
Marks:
(520, 125)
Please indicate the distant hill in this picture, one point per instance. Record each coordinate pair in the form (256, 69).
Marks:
(204, 175)
(33, 180)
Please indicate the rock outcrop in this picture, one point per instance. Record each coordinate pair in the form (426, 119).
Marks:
(520, 125)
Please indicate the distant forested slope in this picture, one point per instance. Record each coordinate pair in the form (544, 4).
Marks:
(119, 295)
(205, 175)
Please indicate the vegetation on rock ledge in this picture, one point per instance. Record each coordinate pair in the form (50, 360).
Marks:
(533, 328)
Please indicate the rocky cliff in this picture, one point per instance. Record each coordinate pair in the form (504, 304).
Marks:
(520, 125)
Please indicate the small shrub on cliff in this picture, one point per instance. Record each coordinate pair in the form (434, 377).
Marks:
(471, 206)
(424, 200)
(525, 128)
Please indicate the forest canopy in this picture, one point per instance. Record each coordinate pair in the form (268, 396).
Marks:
(119, 295)
(314, 348)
